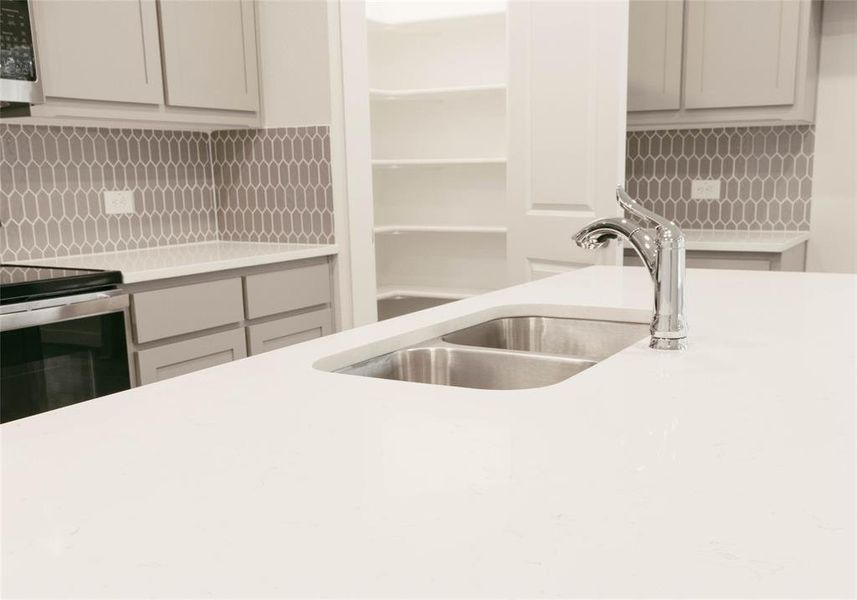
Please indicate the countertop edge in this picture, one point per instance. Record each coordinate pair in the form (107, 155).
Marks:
(132, 276)
(226, 264)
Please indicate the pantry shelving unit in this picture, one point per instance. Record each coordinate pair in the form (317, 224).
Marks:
(438, 116)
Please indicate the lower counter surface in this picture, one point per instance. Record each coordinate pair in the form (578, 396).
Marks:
(162, 262)
(743, 241)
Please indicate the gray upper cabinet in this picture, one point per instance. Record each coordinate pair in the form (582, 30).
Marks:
(96, 50)
(171, 61)
(741, 53)
(654, 55)
(209, 51)
(722, 62)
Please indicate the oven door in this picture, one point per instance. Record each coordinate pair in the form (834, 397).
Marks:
(59, 352)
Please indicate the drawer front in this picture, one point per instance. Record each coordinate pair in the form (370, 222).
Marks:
(735, 264)
(704, 260)
(186, 309)
(285, 332)
(290, 289)
(179, 358)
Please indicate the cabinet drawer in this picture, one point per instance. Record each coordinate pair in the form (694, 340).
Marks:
(179, 358)
(285, 332)
(185, 309)
(289, 289)
(734, 264)
(714, 260)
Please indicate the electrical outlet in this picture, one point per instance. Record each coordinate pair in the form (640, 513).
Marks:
(118, 202)
(705, 189)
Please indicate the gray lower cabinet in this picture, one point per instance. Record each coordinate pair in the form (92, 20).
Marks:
(190, 323)
(180, 358)
(271, 335)
(289, 289)
(173, 311)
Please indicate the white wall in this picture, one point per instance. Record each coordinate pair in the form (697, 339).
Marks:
(350, 138)
(294, 62)
(833, 226)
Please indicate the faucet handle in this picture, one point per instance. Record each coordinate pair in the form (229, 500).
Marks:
(637, 209)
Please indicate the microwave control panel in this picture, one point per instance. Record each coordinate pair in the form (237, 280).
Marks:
(17, 57)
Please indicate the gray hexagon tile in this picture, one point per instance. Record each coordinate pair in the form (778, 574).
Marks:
(257, 185)
(52, 179)
(273, 185)
(765, 173)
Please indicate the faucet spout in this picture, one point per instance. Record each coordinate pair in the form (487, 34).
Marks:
(662, 251)
(601, 231)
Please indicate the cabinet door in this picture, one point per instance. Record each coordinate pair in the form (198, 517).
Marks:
(97, 50)
(286, 332)
(180, 358)
(654, 54)
(210, 54)
(741, 53)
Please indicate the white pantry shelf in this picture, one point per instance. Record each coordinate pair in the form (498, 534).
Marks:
(433, 22)
(440, 293)
(435, 93)
(396, 229)
(436, 162)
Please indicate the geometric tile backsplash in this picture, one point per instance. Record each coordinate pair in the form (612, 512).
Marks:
(273, 185)
(52, 179)
(765, 175)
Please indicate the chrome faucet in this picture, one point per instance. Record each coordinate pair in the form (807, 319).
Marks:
(662, 251)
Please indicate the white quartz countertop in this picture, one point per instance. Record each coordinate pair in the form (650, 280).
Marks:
(161, 262)
(743, 241)
(727, 470)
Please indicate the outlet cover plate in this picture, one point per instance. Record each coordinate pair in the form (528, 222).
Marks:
(118, 202)
(705, 189)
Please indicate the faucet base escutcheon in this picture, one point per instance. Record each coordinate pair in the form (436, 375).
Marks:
(668, 344)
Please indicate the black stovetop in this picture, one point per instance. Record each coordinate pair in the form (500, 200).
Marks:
(22, 283)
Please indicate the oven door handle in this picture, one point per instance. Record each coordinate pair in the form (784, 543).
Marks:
(56, 310)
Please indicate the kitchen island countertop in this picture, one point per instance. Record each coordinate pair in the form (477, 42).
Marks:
(727, 470)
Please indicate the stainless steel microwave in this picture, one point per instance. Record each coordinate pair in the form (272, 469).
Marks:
(20, 86)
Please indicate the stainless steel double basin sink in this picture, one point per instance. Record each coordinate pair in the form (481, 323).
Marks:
(505, 354)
